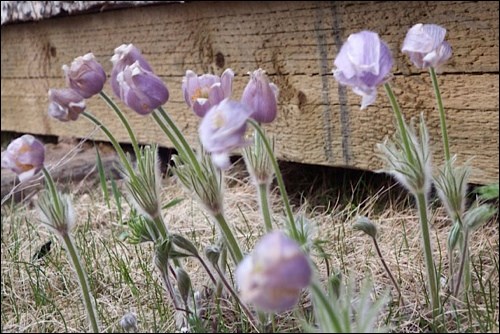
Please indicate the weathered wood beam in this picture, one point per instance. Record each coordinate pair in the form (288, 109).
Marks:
(295, 42)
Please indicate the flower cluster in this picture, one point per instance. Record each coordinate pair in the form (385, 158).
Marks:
(274, 274)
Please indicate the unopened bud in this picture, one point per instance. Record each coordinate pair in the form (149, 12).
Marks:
(366, 225)
(212, 253)
(183, 283)
(184, 243)
(129, 322)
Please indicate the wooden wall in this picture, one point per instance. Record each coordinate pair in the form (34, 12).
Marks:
(296, 43)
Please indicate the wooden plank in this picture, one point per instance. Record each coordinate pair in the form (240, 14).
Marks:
(295, 43)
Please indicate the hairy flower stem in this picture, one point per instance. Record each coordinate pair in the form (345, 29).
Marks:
(279, 178)
(84, 285)
(235, 295)
(222, 268)
(429, 261)
(124, 121)
(52, 189)
(388, 270)
(263, 189)
(209, 272)
(73, 256)
(113, 141)
(442, 116)
(182, 145)
(463, 260)
(400, 120)
(232, 244)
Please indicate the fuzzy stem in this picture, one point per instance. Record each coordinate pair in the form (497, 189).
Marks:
(222, 267)
(429, 261)
(113, 141)
(465, 255)
(124, 121)
(263, 189)
(209, 272)
(442, 116)
(184, 145)
(84, 285)
(400, 120)
(387, 269)
(52, 189)
(232, 244)
(234, 294)
(279, 178)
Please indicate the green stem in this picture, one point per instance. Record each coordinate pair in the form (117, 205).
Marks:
(263, 189)
(232, 244)
(184, 144)
(279, 178)
(234, 294)
(222, 267)
(429, 261)
(442, 116)
(388, 270)
(400, 120)
(158, 118)
(465, 255)
(53, 191)
(113, 141)
(124, 121)
(84, 285)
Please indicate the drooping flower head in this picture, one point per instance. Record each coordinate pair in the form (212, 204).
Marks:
(205, 91)
(85, 75)
(222, 130)
(274, 274)
(140, 89)
(261, 96)
(363, 63)
(65, 104)
(24, 156)
(425, 45)
(125, 55)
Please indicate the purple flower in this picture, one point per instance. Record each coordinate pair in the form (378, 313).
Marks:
(65, 104)
(125, 55)
(425, 45)
(24, 156)
(205, 91)
(261, 96)
(222, 130)
(273, 276)
(363, 63)
(141, 89)
(85, 75)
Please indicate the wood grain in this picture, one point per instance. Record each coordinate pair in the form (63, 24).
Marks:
(296, 43)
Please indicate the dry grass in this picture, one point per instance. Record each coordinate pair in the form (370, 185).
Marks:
(43, 296)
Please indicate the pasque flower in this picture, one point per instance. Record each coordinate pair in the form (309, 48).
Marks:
(65, 104)
(222, 130)
(85, 75)
(24, 156)
(425, 45)
(205, 91)
(125, 55)
(274, 274)
(261, 96)
(141, 89)
(363, 63)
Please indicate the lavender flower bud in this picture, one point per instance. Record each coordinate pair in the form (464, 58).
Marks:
(203, 92)
(141, 89)
(261, 96)
(85, 75)
(129, 322)
(363, 63)
(222, 130)
(24, 156)
(425, 45)
(273, 276)
(65, 104)
(125, 55)
(366, 225)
